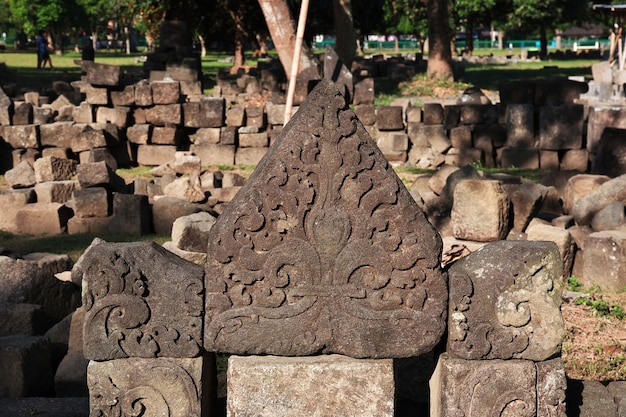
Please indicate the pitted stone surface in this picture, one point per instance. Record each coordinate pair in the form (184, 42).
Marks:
(505, 302)
(140, 301)
(172, 387)
(324, 250)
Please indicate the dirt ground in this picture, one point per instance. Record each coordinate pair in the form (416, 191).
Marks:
(594, 346)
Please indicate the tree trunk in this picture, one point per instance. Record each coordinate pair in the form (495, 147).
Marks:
(345, 42)
(543, 53)
(202, 45)
(282, 30)
(469, 37)
(440, 53)
(240, 37)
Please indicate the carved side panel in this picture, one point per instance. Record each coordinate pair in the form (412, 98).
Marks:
(148, 387)
(505, 302)
(141, 301)
(551, 387)
(496, 388)
(324, 250)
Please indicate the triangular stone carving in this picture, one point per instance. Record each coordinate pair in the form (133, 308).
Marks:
(324, 250)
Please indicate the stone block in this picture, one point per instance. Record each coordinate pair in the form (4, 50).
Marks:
(123, 96)
(176, 387)
(214, 154)
(7, 107)
(549, 160)
(22, 136)
(520, 122)
(558, 92)
(483, 388)
(464, 156)
(83, 113)
(366, 113)
(605, 260)
(24, 155)
(91, 202)
(51, 168)
(389, 118)
(25, 364)
(608, 192)
(575, 160)
(23, 114)
(494, 133)
(461, 137)
(19, 319)
(139, 133)
(131, 215)
(185, 163)
(186, 188)
(11, 202)
(526, 199)
(433, 114)
(255, 116)
(97, 135)
(610, 217)
(561, 127)
(472, 114)
(155, 155)
(58, 134)
(21, 176)
(206, 135)
(166, 135)
(505, 302)
(43, 218)
(332, 241)
(480, 211)
(162, 317)
(191, 114)
(50, 263)
(418, 134)
(212, 111)
(92, 225)
(229, 135)
(101, 74)
(309, 386)
(451, 116)
(249, 156)
(55, 191)
(610, 158)
(275, 114)
(538, 231)
(527, 158)
(98, 96)
(42, 115)
(164, 114)
(191, 233)
(435, 137)
(364, 92)
(253, 140)
(413, 114)
(579, 186)
(393, 141)
(99, 174)
(166, 210)
(117, 115)
(165, 92)
(600, 118)
(143, 94)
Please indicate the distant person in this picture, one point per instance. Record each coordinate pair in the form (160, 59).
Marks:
(89, 53)
(39, 42)
(46, 47)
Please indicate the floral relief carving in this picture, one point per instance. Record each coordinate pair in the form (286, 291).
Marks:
(324, 250)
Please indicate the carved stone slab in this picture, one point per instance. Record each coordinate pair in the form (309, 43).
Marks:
(495, 388)
(140, 301)
(324, 250)
(175, 387)
(505, 301)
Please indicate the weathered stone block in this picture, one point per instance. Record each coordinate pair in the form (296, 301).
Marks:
(433, 114)
(55, 191)
(480, 211)
(165, 92)
(91, 202)
(117, 115)
(96, 95)
(54, 169)
(461, 137)
(22, 137)
(610, 158)
(561, 127)
(551, 388)
(472, 114)
(272, 386)
(191, 114)
(58, 134)
(393, 141)
(99, 174)
(21, 176)
(253, 140)
(131, 215)
(562, 239)
(520, 130)
(255, 116)
(575, 160)
(275, 114)
(154, 155)
(364, 92)
(483, 388)
(177, 387)
(11, 202)
(143, 94)
(139, 133)
(608, 192)
(166, 210)
(600, 118)
(7, 107)
(164, 114)
(123, 96)
(464, 156)
(25, 363)
(249, 156)
(212, 111)
(23, 114)
(206, 135)
(42, 115)
(166, 135)
(191, 233)
(214, 154)
(162, 317)
(505, 302)
(366, 113)
(43, 218)
(527, 158)
(320, 250)
(187, 188)
(97, 135)
(19, 318)
(605, 260)
(101, 74)
(389, 118)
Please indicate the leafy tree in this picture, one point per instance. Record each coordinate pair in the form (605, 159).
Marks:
(469, 13)
(405, 17)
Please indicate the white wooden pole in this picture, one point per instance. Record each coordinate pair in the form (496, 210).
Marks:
(304, 8)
